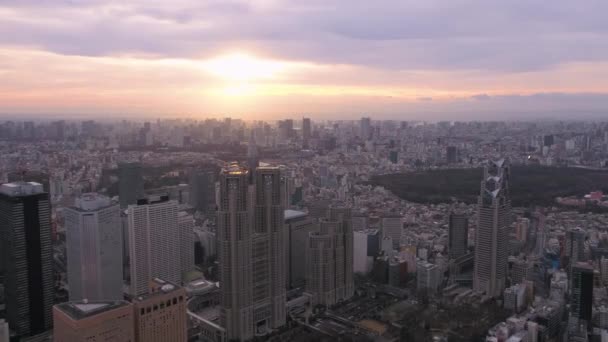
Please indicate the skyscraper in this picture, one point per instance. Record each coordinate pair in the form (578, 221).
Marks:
(306, 132)
(251, 251)
(298, 225)
(494, 218)
(130, 183)
(252, 153)
(202, 190)
(582, 291)
(26, 255)
(392, 226)
(329, 259)
(85, 321)
(94, 249)
(458, 235)
(154, 242)
(428, 277)
(343, 216)
(575, 245)
(321, 264)
(269, 249)
(366, 128)
(186, 232)
(234, 253)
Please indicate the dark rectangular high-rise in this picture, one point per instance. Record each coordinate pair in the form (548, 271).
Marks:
(365, 128)
(202, 190)
(451, 154)
(26, 255)
(582, 291)
(458, 235)
(130, 183)
(306, 132)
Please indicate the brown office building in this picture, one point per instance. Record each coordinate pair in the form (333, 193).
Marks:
(93, 321)
(160, 316)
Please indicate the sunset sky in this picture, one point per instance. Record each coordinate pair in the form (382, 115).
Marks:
(266, 59)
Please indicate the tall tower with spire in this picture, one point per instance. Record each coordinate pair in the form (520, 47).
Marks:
(494, 218)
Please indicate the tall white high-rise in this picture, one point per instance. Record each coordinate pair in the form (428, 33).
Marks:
(491, 237)
(94, 249)
(154, 242)
(186, 236)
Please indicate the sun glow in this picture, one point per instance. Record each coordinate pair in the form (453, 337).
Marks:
(244, 68)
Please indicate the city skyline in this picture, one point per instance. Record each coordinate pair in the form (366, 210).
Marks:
(303, 230)
(394, 60)
(275, 170)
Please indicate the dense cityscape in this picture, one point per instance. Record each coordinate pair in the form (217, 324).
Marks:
(303, 230)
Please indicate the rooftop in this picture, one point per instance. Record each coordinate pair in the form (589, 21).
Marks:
(200, 286)
(84, 309)
(91, 202)
(293, 214)
(157, 287)
(21, 188)
(234, 169)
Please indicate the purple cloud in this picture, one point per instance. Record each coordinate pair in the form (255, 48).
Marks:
(508, 36)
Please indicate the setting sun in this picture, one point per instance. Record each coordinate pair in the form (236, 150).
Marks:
(243, 67)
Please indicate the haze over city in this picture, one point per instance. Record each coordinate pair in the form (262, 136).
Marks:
(267, 59)
(274, 170)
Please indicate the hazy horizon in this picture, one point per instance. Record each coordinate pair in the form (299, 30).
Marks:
(267, 59)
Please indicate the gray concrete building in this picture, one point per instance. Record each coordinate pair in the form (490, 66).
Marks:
(94, 249)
